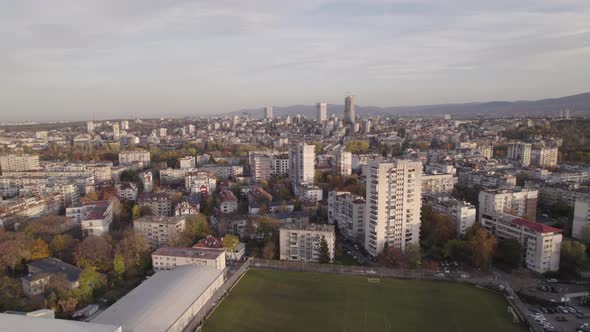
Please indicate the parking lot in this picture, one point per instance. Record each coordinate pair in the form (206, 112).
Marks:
(561, 318)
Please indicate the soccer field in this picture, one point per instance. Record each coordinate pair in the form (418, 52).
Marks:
(267, 301)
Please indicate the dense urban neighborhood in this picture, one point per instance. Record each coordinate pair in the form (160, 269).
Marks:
(147, 224)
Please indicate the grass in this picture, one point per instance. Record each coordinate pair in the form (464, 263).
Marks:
(267, 301)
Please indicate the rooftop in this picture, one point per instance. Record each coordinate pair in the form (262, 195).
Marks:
(189, 252)
(23, 323)
(535, 226)
(308, 227)
(160, 219)
(159, 301)
(52, 265)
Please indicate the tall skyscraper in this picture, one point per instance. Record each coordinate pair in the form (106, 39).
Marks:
(393, 205)
(116, 132)
(302, 163)
(90, 127)
(349, 116)
(322, 109)
(343, 161)
(521, 152)
(268, 112)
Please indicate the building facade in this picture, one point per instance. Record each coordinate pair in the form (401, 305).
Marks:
(348, 212)
(302, 242)
(158, 231)
(392, 215)
(302, 163)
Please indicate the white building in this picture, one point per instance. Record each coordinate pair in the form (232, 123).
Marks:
(438, 183)
(201, 182)
(348, 212)
(127, 190)
(322, 111)
(167, 301)
(157, 231)
(544, 157)
(463, 214)
(520, 202)
(349, 115)
(116, 131)
(343, 161)
(280, 164)
(302, 163)
(393, 205)
(16, 163)
(521, 152)
(541, 243)
(160, 203)
(188, 162)
(260, 165)
(302, 242)
(94, 217)
(43, 320)
(147, 178)
(309, 193)
(227, 201)
(581, 217)
(268, 112)
(127, 158)
(166, 258)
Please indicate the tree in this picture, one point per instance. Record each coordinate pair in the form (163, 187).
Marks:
(268, 252)
(324, 251)
(509, 253)
(573, 255)
(135, 212)
(119, 266)
(14, 248)
(61, 244)
(67, 305)
(94, 251)
(198, 226)
(458, 250)
(230, 242)
(39, 250)
(358, 147)
(483, 246)
(91, 196)
(585, 234)
(135, 252)
(436, 230)
(89, 281)
(391, 257)
(11, 294)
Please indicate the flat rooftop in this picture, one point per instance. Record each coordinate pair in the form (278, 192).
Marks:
(22, 323)
(159, 301)
(203, 253)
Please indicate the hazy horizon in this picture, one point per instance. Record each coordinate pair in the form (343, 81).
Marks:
(65, 60)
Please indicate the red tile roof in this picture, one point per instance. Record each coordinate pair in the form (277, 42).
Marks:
(535, 226)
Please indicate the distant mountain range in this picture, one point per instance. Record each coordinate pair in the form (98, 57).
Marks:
(579, 105)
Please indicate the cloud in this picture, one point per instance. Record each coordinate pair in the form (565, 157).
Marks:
(157, 56)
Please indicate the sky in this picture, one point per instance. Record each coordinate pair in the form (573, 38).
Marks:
(75, 59)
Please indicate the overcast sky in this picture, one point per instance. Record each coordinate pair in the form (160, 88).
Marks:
(63, 59)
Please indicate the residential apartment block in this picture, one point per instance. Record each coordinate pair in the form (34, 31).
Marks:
(302, 163)
(16, 163)
(348, 212)
(392, 215)
(541, 243)
(299, 242)
(159, 203)
(581, 218)
(158, 231)
(95, 217)
(517, 201)
(521, 152)
(131, 157)
(462, 213)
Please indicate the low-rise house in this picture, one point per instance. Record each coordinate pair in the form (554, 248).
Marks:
(166, 258)
(95, 217)
(41, 272)
(227, 202)
(215, 243)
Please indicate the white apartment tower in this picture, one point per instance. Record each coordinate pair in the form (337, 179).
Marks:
(521, 152)
(322, 109)
(343, 161)
(90, 127)
(521, 202)
(268, 112)
(116, 131)
(302, 163)
(581, 217)
(392, 213)
(349, 115)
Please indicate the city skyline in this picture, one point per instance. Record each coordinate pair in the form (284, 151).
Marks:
(69, 60)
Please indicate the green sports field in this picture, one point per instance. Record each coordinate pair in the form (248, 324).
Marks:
(268, 301)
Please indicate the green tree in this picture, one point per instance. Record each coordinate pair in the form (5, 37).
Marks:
(324, 251)
(135, 212)
(90, 280)
(509, 253)
(119, 266)
(358, 147)
(61, 244)
(573, 255)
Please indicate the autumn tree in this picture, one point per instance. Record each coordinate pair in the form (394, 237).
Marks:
(135, 252)
(89, 281)
(509, 253)
(482, 244)
(94, 251)
(436, 230)
(230, 242)
(135, 212)
(39, 250)
(119, 266)
(14, 249)
(62, 244)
